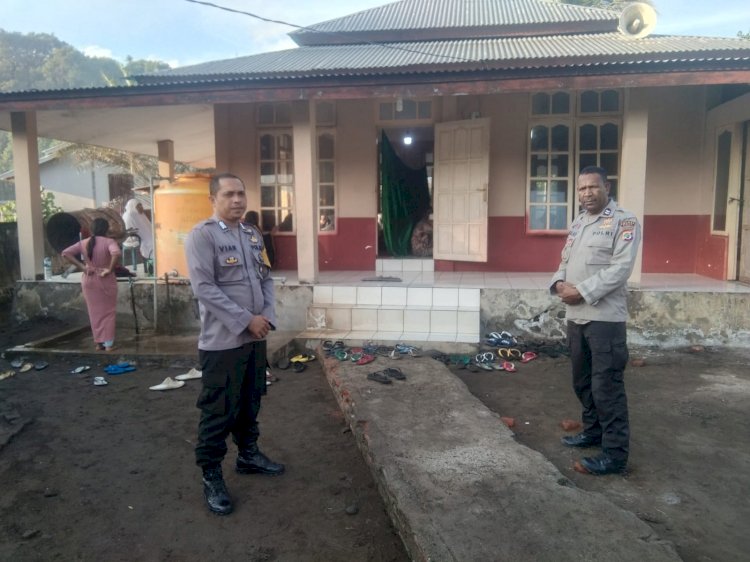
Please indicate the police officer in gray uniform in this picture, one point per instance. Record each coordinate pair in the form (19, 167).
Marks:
(597, 260)
(231, 280)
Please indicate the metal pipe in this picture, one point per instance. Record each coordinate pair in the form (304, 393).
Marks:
(152, 179)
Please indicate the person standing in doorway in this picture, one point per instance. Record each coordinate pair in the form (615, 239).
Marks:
(597, 260)
(98, 282)
(235, 292)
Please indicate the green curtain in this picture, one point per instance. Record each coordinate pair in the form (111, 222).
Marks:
(404, 199)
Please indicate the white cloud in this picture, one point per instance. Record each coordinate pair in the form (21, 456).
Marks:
(96, 51)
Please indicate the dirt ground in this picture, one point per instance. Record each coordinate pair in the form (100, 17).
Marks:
(689, 475)
(107, 473)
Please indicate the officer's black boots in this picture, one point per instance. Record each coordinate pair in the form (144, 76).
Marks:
(215, 490)
(251, 461)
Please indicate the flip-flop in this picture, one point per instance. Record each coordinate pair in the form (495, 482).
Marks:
(40, 365)
(341, 354)
(80, 369)
(25, 368)
(528, 356)
(302, 358)
(100, 381)
(168, 384)
(380, 377)
(509, 366)
(119, 368)
(191, 374)
(6, 375)
(298, 366)
(16, 363)
(394, 373)
(365, 359)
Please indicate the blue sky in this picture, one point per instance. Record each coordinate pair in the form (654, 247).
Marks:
(180, 32)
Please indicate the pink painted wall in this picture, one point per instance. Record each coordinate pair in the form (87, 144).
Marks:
(351, 247)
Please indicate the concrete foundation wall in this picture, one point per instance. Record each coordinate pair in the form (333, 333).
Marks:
(177, 312)
(664, 319)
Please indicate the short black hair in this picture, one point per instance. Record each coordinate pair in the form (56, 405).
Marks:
(213, 186)
(601, 172)
(251, 217)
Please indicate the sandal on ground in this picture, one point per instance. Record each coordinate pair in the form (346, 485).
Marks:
(380, 377)
(528, 356)
(119, 368)
(191, 374)
(365, 359)
(168, 384)
(80, 369)
(100, 381)
(302, 358)
(6, 375)
(509, 366)
(298, 366)
(40, 365)
(16, 363)
(394, 373)
(25, 368)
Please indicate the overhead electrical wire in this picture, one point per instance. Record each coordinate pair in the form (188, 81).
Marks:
(313, 30)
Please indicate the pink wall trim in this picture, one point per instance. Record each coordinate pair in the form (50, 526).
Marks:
(351, 247)
(509, 248)
(683, 244)
(672, 244)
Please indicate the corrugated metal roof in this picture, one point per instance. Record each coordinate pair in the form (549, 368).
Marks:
(443, 14)
(496, 53)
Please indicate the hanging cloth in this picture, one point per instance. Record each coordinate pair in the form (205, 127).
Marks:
(404, 198)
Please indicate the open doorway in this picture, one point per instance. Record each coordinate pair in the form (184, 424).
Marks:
(406, 160)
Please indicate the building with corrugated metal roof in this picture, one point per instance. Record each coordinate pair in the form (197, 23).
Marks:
(496, 103)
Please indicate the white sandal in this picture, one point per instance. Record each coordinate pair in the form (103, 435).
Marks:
(191, 374)
(168, 384)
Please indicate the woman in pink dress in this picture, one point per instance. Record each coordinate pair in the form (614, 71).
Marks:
(100, 255)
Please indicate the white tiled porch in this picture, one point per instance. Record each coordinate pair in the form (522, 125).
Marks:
(416, 303)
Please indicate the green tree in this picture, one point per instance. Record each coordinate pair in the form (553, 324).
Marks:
(134, 67)
(41, 61)
(49, 207)
(742, 35)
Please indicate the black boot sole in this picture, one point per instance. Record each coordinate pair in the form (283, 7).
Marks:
(243, 470)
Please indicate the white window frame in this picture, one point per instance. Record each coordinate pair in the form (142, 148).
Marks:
(574, 119)
(278, 208)
(332, 184)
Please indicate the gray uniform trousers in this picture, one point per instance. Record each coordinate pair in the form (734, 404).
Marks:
(233, 382)
(599, 354)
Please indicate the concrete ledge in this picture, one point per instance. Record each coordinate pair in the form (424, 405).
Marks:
(457, 485)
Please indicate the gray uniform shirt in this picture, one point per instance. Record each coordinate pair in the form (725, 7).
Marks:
(598, 257)
(230, 280)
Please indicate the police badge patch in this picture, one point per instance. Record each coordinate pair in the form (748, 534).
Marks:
(627, 236)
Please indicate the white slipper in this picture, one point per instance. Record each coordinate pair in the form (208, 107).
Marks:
(100, 381)
(168, 384)
(191, 374)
